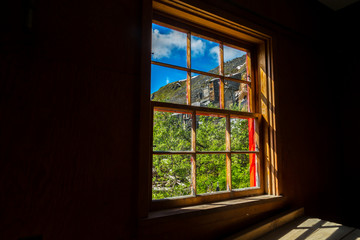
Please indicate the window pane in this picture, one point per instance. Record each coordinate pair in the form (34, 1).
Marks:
(171, 176)
(168, 85)
(210, 133)
(205, 91)
(168, 46)
(172, 131)
(210, 173)
(236, 96)
(234, 63)
(239, 134)
(204, 55)
(242, 134)
(240, 171)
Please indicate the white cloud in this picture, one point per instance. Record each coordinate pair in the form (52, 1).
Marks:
(197, 47)
(214, 52)
(229, 53)
(164, 44)
(167, 80)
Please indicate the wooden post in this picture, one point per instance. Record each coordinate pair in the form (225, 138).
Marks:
(265, 123)
(271, 104)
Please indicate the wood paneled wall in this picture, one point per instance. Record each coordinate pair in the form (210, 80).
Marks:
(70, 97)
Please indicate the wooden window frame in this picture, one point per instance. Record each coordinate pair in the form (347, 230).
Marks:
(258, 46)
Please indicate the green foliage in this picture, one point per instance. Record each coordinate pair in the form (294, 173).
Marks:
(238, 107)
(172, 173)
(210, 133)
(239, 134)
(210, 172)
(240, 175)
(171, 176)
(172, 132)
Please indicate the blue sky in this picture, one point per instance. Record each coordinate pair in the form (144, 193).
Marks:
(169, 46)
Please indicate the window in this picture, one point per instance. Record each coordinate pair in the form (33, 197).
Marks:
(203, 119)
(211, 102)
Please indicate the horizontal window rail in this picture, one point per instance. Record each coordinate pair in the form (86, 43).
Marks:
(203, 152)
(201, 72)
(189, 109)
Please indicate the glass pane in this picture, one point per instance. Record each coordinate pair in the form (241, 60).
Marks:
(210, 173)
(171, 176)
(204, 55)
(242, 134)
(236, 96)
(239, 134)
(172, 131)
(168, 85)
(168, 46)
(240, 171)
(210, 133)
(234, 63)
(205, 91)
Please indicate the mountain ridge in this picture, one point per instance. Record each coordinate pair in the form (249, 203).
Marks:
(205, 89)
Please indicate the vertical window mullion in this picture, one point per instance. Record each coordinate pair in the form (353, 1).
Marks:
(221, 69)
(251, 93)
(193, 115)
(193, 156)
(188, 64)
(152, 155)
(228, 155)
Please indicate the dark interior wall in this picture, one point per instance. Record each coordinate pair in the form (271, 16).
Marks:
(344, 31)
(69, 94)
(69, 87)
(308, 141)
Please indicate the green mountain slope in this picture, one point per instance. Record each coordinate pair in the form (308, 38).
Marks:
(204, 89)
